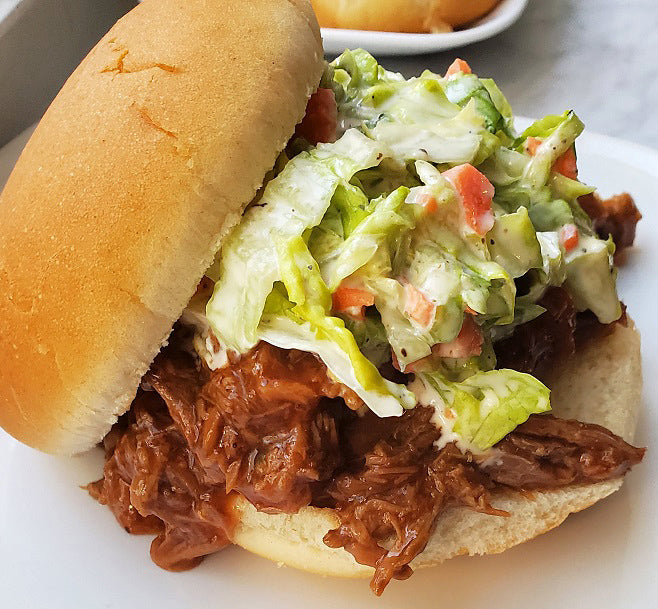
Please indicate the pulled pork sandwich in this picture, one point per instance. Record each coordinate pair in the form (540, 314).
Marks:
(396, 334)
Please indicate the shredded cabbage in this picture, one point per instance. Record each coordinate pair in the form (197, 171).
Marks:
(293, 202)
(372, 213)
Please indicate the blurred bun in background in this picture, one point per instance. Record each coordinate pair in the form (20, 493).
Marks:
(419, 16)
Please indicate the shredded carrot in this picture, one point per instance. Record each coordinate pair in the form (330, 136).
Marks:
(457, 66)
(568, 236)
(531, 145)
(566, 164)
(418, 307)
(351, 301)
(467, 343)
(476, 193)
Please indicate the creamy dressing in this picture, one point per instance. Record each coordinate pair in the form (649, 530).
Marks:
(444, 417)
(441, 283)
(208, 348)
(586, 245)
(551, 257)
(205, 343)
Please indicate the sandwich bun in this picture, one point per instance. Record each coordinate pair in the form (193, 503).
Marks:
(602, 384)
(119, 202)
(400, 15)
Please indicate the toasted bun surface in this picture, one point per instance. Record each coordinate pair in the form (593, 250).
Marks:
(400, 15)
(603, 385)
(118, 204)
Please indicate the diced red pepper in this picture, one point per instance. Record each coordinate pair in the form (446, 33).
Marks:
(457, 66)
(449, 413)
(566, 164)
(425, 200)
(418, 307)
(476, 193)
(467, 343)
(531, 145)
(321, 119)
(352, 301)
(568, 236)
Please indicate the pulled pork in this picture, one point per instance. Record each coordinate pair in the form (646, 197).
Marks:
(389, 499)
(396, 489)
(547, 452)
(257, 426)
(273, 427)
(153, 485)
(533, 347)
(616, 217)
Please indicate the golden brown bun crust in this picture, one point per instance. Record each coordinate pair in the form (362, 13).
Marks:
(117, 205)
(400, 15)
(602, 385)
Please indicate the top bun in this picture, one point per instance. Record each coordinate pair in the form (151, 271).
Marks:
(119, 202)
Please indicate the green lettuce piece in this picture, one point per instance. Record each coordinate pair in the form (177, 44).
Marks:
(550, 215)
(536, 183)
(386, 177)
(558, 134)
(541, 128)
(553, 271)
(300, 319)
(352, 206)
(464, 87)
(591, 278)
(501, 103)
(503, 168)
(569, 190)
(377, 230)
(486, 406)
(463, 138)
(370, 335)
(416, 118)
(512, 196)
(513, 243)
(566, 188)
(357, 68)
(293, 202)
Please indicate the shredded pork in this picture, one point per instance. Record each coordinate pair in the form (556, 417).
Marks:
(274, 427)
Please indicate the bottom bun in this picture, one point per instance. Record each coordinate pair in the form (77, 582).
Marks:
(602, 384)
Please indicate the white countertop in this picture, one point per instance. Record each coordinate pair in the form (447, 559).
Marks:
(6, 6)
(598, 57)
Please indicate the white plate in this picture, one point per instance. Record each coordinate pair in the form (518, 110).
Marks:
(394, 43)
(61, 550)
